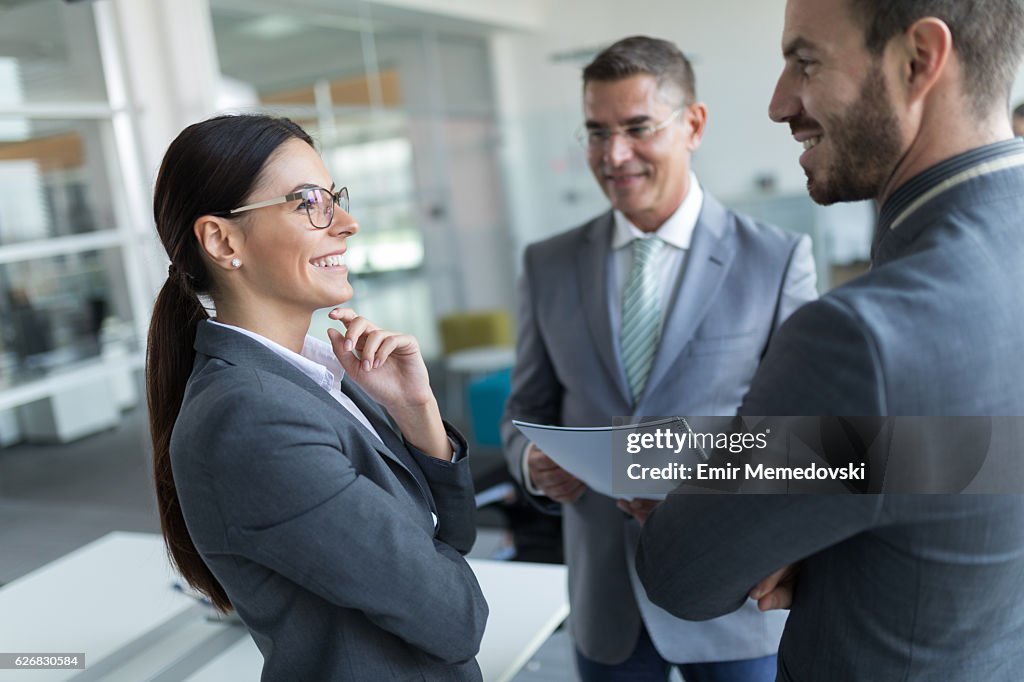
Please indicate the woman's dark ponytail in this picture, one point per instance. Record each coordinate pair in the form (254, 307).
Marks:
(210, 168)
(169, 358)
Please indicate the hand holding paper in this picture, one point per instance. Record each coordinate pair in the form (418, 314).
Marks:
(551, 479)
(584, 452)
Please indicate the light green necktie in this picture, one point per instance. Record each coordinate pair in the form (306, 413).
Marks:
(641, 315)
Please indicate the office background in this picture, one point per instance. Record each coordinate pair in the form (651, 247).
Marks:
(451, 122)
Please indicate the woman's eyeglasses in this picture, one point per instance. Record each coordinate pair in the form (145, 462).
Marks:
(318, 202)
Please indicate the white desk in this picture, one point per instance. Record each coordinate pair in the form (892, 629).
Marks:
(480, 360)
(112, 600)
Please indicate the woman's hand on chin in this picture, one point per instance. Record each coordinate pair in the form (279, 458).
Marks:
(389, 367)
(386, 364)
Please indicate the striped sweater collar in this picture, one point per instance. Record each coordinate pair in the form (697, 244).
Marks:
(923, 186)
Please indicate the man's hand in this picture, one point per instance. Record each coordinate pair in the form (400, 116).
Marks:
(551, 479)
(776, 591)
(638, 508)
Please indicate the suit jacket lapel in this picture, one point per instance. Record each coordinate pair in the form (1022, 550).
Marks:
(592, 274)
(396, 447)
(711, 251)
(241, 350)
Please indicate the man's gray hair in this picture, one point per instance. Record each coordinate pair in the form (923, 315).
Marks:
(644, 55)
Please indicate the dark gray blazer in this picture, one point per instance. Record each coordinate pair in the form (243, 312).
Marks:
(926, 587)
(741, 279)
(322, 537)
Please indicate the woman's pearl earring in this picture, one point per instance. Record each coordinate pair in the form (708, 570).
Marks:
(235, 263)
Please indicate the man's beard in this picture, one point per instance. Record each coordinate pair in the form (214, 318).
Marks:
(866, 147)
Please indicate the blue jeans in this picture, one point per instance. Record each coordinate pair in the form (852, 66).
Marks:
(645, 664)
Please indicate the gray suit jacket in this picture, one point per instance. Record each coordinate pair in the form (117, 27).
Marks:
(741, 279)
(926, 587)
(323, 537)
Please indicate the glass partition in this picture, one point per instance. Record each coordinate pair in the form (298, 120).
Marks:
(48, 54)
(65, 296)
(60, 311)
(54, 179)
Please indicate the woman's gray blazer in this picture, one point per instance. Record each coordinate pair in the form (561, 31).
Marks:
(342, 555)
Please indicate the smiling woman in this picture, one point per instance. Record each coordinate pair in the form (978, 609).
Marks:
(309, 484)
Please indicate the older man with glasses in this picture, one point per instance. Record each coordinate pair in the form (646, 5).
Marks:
(663, 305)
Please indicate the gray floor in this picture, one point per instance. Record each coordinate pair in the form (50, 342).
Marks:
(54, 499)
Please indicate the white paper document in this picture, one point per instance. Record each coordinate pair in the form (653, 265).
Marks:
(586, 452)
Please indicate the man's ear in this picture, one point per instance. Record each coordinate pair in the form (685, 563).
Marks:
(220, 239)
(925, 49)
(695, 118)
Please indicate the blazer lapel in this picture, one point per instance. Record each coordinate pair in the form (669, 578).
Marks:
(710, 253)
(592, 274)
(396, 448)
(239, 349)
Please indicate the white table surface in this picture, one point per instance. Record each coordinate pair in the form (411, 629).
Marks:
(480, 359)
(112, 600)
